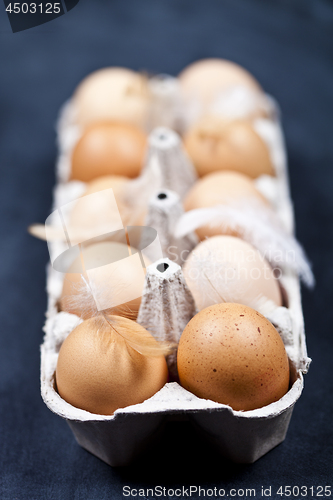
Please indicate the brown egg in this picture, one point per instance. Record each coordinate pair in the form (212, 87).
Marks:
(117, 284)
(116, 182)
(214, 144)
(119, 184)
(112, 94)
(99, 213)
(204, 79)
(222, 188)
(233, 355)
(108, 148)
(228, 269)
(98, 371)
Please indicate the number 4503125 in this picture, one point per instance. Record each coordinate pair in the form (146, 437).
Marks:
(34, 8)
(304, 491)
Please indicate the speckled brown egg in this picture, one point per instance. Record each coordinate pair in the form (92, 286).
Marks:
(214, 144)
(98, 371)
(108, 148)
(231, 354)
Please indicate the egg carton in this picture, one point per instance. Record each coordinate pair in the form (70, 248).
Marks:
(241, 436)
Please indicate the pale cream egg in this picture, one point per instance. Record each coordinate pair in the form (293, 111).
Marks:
(112, 93)
(228, 269)
(205, 81)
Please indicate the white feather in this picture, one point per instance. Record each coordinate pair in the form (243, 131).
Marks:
(257, 225)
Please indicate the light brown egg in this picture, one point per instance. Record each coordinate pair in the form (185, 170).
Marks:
(204, 79)
(233, 355)
(124, 279)
(214, 144)
(228, 269)
(222, 188)
(112, 94)
(108, 148)
(99, 213)
(98, 371)
(119, 184)
(116, 182)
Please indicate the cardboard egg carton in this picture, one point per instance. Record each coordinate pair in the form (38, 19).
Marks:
(242, 436)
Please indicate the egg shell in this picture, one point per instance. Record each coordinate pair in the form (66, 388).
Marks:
(214, 144)
(108, 148)
(124, 278)
(99, 372)
(233, 355)
(113, 93)
(226, 268)
(222, 188)
(205, 78)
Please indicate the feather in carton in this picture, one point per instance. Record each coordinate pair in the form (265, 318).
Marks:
(167, 305)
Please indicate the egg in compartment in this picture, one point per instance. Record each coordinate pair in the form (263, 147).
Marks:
(115, 182)
(117, 280)
(206, 79)
(228, 269)
(107, 363)
(112, 93)
(108, 148)
(231, 354)
(101, 210)
(223, 188)
(215, 144)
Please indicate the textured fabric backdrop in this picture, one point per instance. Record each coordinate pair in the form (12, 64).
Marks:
(288, 46)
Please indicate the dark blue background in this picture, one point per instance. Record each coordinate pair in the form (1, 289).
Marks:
(288, 46)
